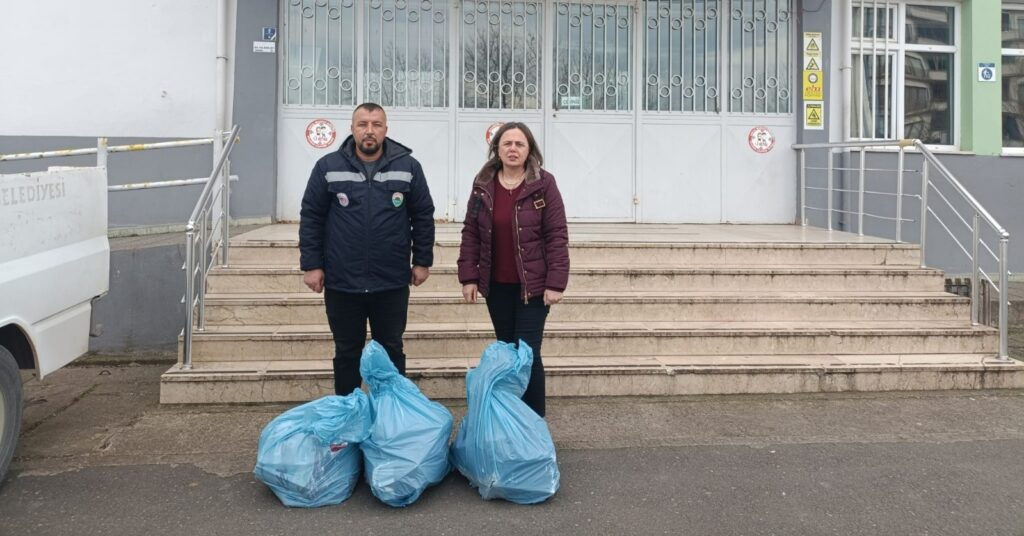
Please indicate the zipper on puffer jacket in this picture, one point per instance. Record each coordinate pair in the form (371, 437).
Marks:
(369, 226)
(519, 253)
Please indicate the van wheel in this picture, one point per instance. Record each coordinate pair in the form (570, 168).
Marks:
(10, 409)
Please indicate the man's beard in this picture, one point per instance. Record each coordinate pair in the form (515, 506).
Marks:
(371, 150)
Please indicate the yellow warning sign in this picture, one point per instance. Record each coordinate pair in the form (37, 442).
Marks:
(814, 116)
(814, 85)
(812, 45)
(812, 64)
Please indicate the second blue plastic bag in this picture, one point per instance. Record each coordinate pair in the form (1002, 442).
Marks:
(503, 447)
(407, 450)
(309, 455)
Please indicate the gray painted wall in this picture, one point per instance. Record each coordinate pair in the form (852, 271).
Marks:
(995, 182)
(142, 313)
(814, 16)
(255, 111)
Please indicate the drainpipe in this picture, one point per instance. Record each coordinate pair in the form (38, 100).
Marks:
(220, 126)
(845, 35)
(845, 66)
(221, 80)
(220, 85)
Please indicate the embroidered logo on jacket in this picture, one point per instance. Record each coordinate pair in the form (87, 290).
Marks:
(397, 198)
(343, 200)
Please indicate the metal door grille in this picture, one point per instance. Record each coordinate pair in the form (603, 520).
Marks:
(407, 53)
(319, 43)
(593, 56)
(681, 55)
(759, 71)
(501, 47)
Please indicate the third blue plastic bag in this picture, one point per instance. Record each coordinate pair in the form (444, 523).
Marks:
(309, 455)
(407, 449)
(503, 447)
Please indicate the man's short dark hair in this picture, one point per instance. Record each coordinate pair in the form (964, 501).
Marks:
(369, 107)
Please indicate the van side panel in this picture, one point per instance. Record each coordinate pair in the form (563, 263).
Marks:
(54, 258)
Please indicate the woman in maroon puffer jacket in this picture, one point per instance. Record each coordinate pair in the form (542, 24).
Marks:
(515, 245)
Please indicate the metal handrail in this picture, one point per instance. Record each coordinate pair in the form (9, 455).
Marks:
(927, 183)
(201, 232)
(114, 149)
(930, 156)
(1004, 244)
(161, 184)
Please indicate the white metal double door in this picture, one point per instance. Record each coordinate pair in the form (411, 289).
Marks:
(649, 106)
(639, 115)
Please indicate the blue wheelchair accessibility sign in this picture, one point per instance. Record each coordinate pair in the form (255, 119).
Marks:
(986, 72)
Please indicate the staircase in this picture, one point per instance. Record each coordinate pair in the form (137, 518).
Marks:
(650, 310)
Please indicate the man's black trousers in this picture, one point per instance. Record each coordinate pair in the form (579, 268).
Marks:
(514, 320)
(347, 314)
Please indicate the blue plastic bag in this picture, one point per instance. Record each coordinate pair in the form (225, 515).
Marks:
(309, 455)
(407, 450)
(503, 447)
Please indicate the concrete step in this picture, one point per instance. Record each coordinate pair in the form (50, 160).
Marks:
(265, 279)
(308, 308)
(299, 381)
(446, 252)
(468, 339)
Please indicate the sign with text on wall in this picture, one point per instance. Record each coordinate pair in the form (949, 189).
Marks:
(814, 116)
(814, 86)
(814, 81)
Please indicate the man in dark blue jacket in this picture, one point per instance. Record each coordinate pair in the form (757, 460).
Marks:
(366, 232)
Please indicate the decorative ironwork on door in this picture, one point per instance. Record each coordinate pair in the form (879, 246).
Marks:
(319, 46)
(593, 56)
(501, 54)
(760, 71)
(681, 59)
(407, 53)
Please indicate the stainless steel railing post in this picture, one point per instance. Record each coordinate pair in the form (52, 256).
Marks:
(899, 196)
(828, 213)
(190, 265)
(1004, 297)
(803, 187)
(860, 193)
(975, 291)
(924, 209)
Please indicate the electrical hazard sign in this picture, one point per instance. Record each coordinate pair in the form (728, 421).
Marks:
(812, 44)
(814, 116)
(814, 77)
(814, 86)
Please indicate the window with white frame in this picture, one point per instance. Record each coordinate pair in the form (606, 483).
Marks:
(904, 58)
(1013, 78)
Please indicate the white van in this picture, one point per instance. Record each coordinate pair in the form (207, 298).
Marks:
(54, 261)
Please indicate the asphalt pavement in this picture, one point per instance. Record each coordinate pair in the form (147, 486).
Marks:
(100, 455)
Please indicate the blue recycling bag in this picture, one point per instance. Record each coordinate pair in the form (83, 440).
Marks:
(309, 455)
(407, 450)
(503, 447)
